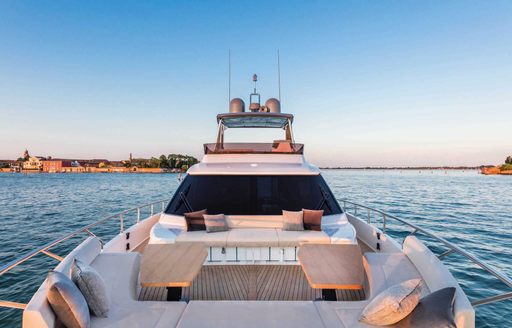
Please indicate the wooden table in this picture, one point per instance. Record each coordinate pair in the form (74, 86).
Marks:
(171, 265)
(330, 267)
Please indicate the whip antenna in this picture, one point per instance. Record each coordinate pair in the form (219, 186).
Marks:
(229, 76)
(279, 74)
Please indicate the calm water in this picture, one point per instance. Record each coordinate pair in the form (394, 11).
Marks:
(471, 210)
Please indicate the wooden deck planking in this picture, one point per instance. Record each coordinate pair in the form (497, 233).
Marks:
(249, 282)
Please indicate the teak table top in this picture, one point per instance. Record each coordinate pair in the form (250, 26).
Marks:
(171, 265)
(332, 266)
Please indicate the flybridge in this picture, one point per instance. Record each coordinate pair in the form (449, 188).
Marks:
(266, 116)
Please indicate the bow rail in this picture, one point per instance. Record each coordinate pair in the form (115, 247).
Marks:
(451, 248)
(45, 249)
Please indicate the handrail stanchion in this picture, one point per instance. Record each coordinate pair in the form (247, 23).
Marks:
(138, 214)
(369, 217)
(152, 209)
(121, 223)
(384, 223)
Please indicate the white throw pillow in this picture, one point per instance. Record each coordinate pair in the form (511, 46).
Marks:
(393, 304)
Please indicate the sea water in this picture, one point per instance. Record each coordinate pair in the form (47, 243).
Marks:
(471, 210)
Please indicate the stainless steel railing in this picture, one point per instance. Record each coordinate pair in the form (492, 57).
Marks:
(45, 249)
(451, 248)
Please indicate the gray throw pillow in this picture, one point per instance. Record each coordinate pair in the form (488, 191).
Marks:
(433, 311)
(92, 286)
(393, 304)
(66, 301)
(293, 221)
(215, 223)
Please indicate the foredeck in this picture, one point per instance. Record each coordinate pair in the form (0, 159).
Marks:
(250, 282)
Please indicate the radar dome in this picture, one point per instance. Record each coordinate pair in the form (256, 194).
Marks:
(273, 105)
(236, 105)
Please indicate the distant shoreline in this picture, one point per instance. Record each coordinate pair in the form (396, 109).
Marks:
(404, 168)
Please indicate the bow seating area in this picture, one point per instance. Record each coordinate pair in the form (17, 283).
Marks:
(253, 238)
(121, 274)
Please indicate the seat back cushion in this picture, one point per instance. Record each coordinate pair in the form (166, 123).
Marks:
(92, 286)
(38, 312)
(173, 221)
(384, 270)
(437, 276)
(255, 221)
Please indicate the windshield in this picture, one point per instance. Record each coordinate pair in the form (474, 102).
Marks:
(252, 195)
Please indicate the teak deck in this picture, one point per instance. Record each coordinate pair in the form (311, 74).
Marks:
(250, 282)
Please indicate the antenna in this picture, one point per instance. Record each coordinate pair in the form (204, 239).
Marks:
(279, 74)
(229, 78)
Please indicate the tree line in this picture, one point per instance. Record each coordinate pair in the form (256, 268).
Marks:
(508, 164)
(171, 161)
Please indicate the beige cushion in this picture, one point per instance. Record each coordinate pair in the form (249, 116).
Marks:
(387, 269)
(141, 315)
(120, 271)
(342, 314)
(67, 301)
(437, 276)
(252, 237)
(255, 221)
(296, 238)
(92, 286)
(250, 314)
(217, 239)
(215, 223)
(393, 304)
(292, 221)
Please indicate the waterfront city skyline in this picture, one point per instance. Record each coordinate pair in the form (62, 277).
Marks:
(369, 83)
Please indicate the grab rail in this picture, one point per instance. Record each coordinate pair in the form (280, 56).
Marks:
(86, 229)
(452, 248)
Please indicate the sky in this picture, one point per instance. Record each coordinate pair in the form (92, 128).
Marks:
(371, 83)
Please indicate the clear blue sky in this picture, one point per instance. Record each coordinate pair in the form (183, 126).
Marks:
(370, 82)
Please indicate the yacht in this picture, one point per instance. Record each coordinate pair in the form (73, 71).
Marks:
(254, 237)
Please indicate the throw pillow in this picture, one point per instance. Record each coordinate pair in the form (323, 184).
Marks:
(66, 301)
(195, 220)
(433, 311)
(393, 304)
(292, 221)
(92, 286)
(215, 223)
(313, 219)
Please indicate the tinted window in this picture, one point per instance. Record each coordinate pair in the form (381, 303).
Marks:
(252, 195)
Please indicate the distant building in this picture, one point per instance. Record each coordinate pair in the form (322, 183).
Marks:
(62, 165)
(34, 163)
(55, 165)
(91, 163)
